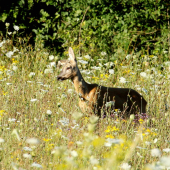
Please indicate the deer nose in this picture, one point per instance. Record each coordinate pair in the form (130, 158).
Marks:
(58, 78)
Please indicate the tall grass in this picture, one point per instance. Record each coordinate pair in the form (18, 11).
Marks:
(42, 126)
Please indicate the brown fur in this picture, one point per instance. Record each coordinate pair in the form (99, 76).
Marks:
(92, 97)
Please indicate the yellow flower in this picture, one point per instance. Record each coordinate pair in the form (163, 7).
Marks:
(109, 136)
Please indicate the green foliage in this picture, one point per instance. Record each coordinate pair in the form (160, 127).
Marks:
(93, 25)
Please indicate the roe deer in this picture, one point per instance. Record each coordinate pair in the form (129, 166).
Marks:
(93, 97)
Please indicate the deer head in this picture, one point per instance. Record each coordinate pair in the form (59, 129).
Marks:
(70, 68)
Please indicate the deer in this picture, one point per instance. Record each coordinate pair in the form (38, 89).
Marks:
(93, 97)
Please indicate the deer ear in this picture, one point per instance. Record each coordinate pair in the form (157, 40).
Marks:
(71, 54)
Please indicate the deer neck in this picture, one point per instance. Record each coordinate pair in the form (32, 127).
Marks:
(80, 85)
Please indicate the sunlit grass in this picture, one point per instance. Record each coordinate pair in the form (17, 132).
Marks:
(42, 126)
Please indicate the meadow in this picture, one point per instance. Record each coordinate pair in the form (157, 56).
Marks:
(42, 126)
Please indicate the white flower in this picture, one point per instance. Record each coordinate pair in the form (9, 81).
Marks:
(9, 54)
(51, 57)
(94, 161)
(166, 150)
(107, 144)
(49, 112)
(16, 27)
(128, 56)
(2, 140)
(96, 68)
(79, 143)
(125, 166)
(14, 132)
(14, 68)
(1, 44)
(165, 161)
(155, 140)
(109, 104)
(48, 70)
(31, 74)
(15, 49)
(27, 148)
(8, 84)
(111, 71)
(33, 100)
(70, 90)
(144, 90)
(11, 119)
(74, 153)
(155, 152)
(53, 64)
(83, 62)
(143, 74)
(9, 33)
(122, 80)
(26, 155)
(87, 57)
(33, 141)
(64, 121)
(36, 165)
(103, 53)
(7, 24)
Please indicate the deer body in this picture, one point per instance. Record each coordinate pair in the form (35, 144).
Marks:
(92, 97)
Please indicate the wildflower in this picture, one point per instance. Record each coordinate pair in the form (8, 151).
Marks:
(33, 100)
(96, 68)
(52, 64)
(48, 70)
(11, 119)
(49, 112)
(122, 80)
(144, 90)
(33, 141)
(51, 57)
(16, 28)
(31, 74)
(77, 115)
(9, 33)
(155, 152)
(165, 161)
(107, 144)
(27, 148)
(14, 132)
(94, 161)
(94, 119)
(125, 166)
(143, 74)
(87, 57)
(103, 53)
(166, 150)
(1, 44)
(64, 121)
(74, 153)
(14, 68)
(155, 140)
(109, 104)
(83, 62)
(79, 143)
(111, 71)
(8, 84)
(26, 155)
(9, 54)
(2, 140)
(70, 90)
(36, 165)
(128, 56)
(7, 24)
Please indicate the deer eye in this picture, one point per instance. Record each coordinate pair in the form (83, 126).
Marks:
(68, 68)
